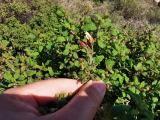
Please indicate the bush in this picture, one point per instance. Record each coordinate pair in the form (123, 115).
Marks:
(51, 44)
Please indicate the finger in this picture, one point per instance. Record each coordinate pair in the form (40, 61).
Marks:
(84, 105)
(46, 90)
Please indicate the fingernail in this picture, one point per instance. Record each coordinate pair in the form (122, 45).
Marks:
(101, 87)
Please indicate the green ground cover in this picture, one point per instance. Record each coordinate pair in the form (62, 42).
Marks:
(39, 40)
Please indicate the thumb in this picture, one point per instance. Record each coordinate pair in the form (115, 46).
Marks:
(84, 105)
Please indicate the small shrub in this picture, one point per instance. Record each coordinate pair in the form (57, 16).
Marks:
(52, 44)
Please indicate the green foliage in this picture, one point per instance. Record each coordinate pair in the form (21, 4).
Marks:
(47, 46)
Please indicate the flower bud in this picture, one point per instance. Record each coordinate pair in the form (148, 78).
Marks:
(80, 60)
(82, 44)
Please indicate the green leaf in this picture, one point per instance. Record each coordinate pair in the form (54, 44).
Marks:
(4, 43)
(114, 32)
(76, 63)
(48, 46)
(65, 33)
(34, 54)
(66, 24)
(16, 75)
(101, 43)
(114, 52)
(132, 89)
(89, 27)
(138, 66)
(31, 36)
(38, 74)
(151, 49)
(75, 55)
(61, 66)
(155, 82)
(98, 59)
(106, 23)
(9, 65)
(101, 73)
(126, 78)
(121, 79)
(136, 81)
(60, 13)
(142, 84)
(100, 34)
(114, 76)
(31, 72)
(50, 71)
(74, 47)
(150, 62)
(40, 48)
(67, 49)
(61, 39)
(109, 64)
(154, 99)
(8, 76)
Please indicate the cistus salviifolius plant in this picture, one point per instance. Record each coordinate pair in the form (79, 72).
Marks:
(52, 44)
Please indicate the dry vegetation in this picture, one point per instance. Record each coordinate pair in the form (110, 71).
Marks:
(137, 13)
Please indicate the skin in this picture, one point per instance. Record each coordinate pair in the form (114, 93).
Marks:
(22, 103)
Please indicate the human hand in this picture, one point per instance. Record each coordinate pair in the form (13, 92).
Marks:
(22, 103)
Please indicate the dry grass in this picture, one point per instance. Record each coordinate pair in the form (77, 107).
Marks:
(84, 7)
(137, 13)
(134, 13)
